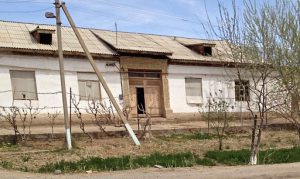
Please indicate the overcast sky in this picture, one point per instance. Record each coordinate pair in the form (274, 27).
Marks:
(166, 17)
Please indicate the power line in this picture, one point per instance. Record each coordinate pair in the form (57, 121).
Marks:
(21, 1)
(143, 11)
(31, 11)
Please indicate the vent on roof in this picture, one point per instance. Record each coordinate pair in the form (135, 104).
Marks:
(203, 49)
(42, 35)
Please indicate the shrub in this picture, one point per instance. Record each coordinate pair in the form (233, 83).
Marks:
(241, 157)
(234, 157)
(184, 159)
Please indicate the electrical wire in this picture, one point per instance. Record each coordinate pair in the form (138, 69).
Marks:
(143, 11)
(22, 1)
(31, 11)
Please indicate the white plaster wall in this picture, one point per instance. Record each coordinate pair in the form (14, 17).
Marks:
(5, 87)
(213, 80)
(48, 79)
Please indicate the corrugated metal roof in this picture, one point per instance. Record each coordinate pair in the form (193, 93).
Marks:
(180, 52)
(221, 51)
(130, 42)
(190, 41)
(17, 35)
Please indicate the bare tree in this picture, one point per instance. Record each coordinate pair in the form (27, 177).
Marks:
(22, 113)
(248, 44)
(32, 112)
(52, 117)
(218, 115)
(101, 114)
(273, 32)
(79, 116)
(10, 114)
(146, 126)
(284, 21)
(26, 115)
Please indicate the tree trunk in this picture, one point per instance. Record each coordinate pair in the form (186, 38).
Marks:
(220, 143)
(298, 129)
(295, 105)
(255, 141)
(253, 157)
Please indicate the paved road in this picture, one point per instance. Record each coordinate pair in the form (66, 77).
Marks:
(261, 171)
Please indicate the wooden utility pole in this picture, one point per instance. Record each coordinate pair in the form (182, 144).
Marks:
(99, 75)
(62, 74)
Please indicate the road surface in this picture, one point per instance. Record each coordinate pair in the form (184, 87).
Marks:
(291, 170)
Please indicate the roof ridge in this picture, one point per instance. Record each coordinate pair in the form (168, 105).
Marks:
(91, 28)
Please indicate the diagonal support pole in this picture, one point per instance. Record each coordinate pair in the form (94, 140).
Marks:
(99, 75)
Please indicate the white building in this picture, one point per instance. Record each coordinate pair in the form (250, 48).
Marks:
(167, 75)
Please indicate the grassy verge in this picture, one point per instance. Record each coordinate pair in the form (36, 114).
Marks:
(192, 136)
(6, 164)
(241, 157)
(186, 159)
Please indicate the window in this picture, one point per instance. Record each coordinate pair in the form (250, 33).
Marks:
(207, 51)
(144, 74)
(23, 85)
(43, 35)
(89, 86)
(193, 88)
(45, 38)
(242, 90)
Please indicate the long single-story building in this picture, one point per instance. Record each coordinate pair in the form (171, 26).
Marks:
(169, 76)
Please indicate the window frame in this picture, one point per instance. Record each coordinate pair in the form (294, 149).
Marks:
(36, 98)
(200, 98)
(144, 74)
(207, 50)
(45, 38)
(238, 88)
(86, 98)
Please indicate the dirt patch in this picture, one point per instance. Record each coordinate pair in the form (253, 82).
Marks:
(34, 154)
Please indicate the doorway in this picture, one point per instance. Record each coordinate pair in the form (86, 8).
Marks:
(140, 95)
(145, 93)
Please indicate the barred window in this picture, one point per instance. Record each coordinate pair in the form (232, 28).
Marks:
(193, 88)
(242, 90)
(89, 86)
(23, 85)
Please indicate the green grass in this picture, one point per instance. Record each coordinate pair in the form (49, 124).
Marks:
(186, 159)
(191, 136)
(233, 157)
(241, 157)
(9, 147)
(6, 164)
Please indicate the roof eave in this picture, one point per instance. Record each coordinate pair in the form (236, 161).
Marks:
(53, 52)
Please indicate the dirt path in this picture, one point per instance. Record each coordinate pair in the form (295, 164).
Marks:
(261, 171)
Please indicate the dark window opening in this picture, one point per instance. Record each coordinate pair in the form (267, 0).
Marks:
(45, 38)
(140, 96)
(207, 51)
(152, 75)
(135, 74)
(144, 74)
(242, 91)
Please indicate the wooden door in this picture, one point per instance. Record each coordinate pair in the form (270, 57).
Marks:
(133, 102)
(153, 100)
(152, 95)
